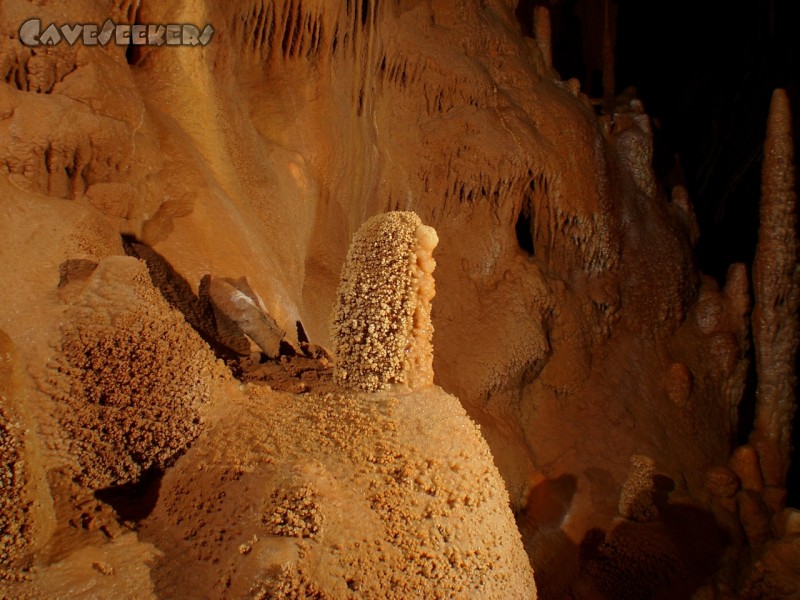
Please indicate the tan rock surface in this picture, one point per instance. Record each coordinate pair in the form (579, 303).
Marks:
(337, 496)
(571, 321)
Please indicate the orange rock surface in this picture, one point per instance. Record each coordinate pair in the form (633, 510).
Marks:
(148, 444)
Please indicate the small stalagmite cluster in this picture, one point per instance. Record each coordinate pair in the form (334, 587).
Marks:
(382, 327)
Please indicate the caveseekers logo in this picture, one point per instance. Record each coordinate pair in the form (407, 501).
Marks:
(91, 34)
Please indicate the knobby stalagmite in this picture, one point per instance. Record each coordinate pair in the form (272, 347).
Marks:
(15, 525)
(776, 283)
(382, 323)
(572, 322)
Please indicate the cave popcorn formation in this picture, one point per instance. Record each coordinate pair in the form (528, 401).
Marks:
(382, 321)
(573, 323)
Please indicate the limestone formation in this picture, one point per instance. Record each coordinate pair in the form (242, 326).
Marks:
(382, 328)
(542, 33)
(776, 283)
(681, 201)
(754, 516)
(15, 505)
(131, 379)
(349, 494)
(722, 482)
(744, 461)
(573, 324)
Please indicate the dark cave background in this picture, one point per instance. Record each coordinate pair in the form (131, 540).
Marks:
(705, 72)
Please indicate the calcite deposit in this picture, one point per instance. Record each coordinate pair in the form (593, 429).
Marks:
(382, 328)
(776, 285)
(223, 371)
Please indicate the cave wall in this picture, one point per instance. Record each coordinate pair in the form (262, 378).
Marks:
(571, 320)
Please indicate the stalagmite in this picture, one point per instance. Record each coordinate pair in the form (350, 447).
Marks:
(776, 282)
(542, 33)
(723, 485)
(744, 462)
(381, 324)
(753, 514)
(15, 508)
(680, 199)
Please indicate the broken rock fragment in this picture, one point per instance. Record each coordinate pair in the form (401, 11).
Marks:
(240, 305)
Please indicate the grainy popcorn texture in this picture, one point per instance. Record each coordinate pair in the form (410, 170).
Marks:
(381, 324)
(226, 370)
(131, 402)
(15, 505)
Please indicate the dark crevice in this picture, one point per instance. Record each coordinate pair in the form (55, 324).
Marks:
(268, 35)
(747, 405)
(134, 501)
(302, 336)
(287, 34)
(260, 27)
(364, 12)
(285, 349)
(524, 14)
(133, 53)
(523, 229)
(297, 32)
(360, 107)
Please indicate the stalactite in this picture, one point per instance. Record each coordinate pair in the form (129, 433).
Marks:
(542, 33)
(276, 32)
(776, 282)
